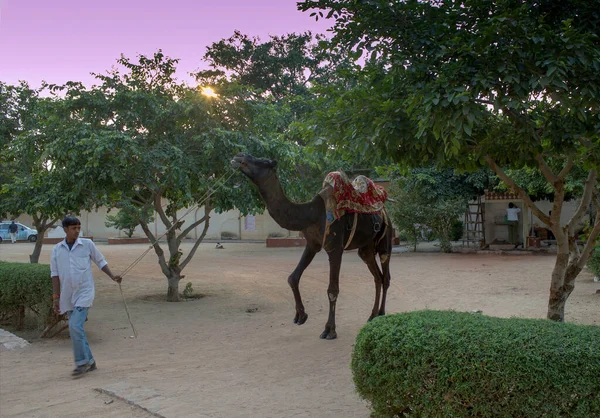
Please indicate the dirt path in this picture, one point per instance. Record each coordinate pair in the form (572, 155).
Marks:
(235, 352)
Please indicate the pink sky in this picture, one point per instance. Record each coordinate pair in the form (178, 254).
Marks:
(62, 40)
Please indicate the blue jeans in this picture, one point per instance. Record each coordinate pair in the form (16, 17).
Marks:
(81, 348)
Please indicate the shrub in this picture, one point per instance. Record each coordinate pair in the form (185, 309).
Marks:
(25, 285)
(228, 235)
(435, 364)
(594, 261)
(456, 233)
(128, 218)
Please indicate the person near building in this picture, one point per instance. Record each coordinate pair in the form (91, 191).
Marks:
(512, 219)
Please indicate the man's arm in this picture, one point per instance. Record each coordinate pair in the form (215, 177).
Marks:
(56, 294)
(98, 258)
(106, 269)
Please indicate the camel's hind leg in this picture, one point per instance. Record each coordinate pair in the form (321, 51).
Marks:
(367, 254)
(385, 265)
(384, 249)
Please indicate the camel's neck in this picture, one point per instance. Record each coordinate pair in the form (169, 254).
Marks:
(289, 215)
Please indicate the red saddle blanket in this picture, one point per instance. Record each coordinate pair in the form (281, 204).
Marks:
(361, 195)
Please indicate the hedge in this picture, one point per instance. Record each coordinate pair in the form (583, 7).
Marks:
(594, 261)
(25, 285)
(452, 364)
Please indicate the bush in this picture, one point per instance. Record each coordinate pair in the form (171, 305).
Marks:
(443, 364)
(28, 286)
(128, 218)
(594, 261)
(456, 233)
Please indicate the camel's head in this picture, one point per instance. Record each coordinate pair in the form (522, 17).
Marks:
(255, 168)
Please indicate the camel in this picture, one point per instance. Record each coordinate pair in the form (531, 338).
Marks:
(372, 236)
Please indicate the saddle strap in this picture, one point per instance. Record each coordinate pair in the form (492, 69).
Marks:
(353, 230)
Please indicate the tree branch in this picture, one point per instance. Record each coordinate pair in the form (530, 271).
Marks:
(566, 169)
(157, 249)
(197, 243)
(546, 170)
(520, 192)
(589, 245)
(161, 213)
(588, 189)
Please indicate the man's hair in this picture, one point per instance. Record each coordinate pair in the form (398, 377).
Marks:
(70, 220)
(511, 205)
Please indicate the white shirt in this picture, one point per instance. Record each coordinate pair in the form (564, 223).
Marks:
(74, 269)
(512, 214)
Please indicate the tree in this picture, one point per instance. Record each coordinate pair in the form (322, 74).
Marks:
(466, 83)
(32, 181)
(128, 218)
(153, 142)
(430, 198)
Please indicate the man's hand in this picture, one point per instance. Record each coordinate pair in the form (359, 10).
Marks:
(117, 279)
(56, 306)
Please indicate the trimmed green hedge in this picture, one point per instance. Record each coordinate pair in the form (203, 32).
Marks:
(452, 364)
(25, 285)
(594, 261)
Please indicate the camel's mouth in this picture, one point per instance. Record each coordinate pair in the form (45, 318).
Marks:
(237, 162)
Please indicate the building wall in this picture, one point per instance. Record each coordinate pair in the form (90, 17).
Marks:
(497, 209)
(226, 225)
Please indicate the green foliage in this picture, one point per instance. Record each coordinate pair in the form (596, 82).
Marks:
(434, 363)
(429, 199)
(457, 230)
(128, 218)
(594, 261)
(27, 285)
(35, 180)
(188, 292)
(453, 82)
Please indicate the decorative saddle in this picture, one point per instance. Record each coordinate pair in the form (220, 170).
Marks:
(361, 195)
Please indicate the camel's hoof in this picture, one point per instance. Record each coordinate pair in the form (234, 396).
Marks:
(300, 319)
(328, 335)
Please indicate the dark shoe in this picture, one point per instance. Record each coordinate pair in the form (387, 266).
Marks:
(80, 370)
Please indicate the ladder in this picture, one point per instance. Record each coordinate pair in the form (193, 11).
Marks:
(474, 227)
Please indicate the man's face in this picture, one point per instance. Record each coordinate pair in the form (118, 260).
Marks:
(72, 232)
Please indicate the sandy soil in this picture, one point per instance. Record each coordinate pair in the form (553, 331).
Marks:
(236, 352)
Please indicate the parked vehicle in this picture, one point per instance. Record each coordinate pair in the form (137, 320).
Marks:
(24, 233)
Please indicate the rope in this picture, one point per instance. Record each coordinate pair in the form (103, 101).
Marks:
(127, 310)
(206, 195)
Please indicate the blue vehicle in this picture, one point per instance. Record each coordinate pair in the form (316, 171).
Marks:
(24, 233)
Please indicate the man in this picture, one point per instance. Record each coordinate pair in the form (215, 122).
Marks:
(73, 287)
(512, 219)
(13, 229)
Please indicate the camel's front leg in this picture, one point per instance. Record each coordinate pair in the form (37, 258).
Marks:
(294, 282)
(335, 262)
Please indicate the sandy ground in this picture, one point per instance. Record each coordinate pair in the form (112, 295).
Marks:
(236, 352)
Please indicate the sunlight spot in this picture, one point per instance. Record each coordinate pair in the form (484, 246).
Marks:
(209, 92)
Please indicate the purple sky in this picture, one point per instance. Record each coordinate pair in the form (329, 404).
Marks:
(62, 40)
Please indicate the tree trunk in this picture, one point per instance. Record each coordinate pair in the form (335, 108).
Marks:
(37, 249)
(558, 294)
(173, 289)
(34, 257)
